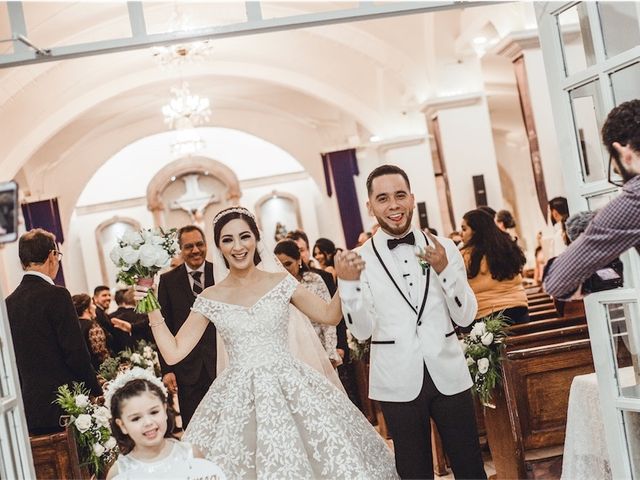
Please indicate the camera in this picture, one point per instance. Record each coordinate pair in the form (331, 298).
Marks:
(606, 278)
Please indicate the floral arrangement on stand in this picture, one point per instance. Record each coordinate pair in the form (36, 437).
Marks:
(139, 256)
(145, 356)
(90, 422)
(359, 349)
(483, 351)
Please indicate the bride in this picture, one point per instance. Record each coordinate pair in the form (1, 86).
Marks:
(268, 415)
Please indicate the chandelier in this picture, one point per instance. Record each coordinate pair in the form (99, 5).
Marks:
(188, 142)
(185, 110)
(179, 55)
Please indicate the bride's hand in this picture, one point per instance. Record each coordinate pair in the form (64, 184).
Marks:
(348, 265)
(140, 292)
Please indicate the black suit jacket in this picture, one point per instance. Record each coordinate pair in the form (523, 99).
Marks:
(176, 299)
(139, 322)
(117, 340)
(49, 348)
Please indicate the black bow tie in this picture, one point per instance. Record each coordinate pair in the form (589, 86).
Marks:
(409, 239)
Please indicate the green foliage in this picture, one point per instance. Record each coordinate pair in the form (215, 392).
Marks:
(359, 349)
(90, 427)
(144, 355)
(483, 348)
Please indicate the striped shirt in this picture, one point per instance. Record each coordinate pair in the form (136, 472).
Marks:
(613, 231)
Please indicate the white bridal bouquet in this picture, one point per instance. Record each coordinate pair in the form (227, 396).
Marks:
(139, 256)
(90, 422)
(483, 351)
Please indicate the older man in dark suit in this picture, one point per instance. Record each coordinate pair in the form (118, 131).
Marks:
(49, 347)
(177, 290)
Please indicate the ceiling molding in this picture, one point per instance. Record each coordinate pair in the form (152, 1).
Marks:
(514, 43)
(434, 105)
(401, 142)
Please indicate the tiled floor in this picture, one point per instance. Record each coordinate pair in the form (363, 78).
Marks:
(488, 468)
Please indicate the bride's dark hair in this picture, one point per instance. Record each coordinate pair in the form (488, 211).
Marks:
(225, 216)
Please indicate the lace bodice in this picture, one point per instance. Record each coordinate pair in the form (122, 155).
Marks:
(257, 335)
(269, 416)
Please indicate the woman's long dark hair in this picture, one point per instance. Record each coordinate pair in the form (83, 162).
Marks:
(504, 256)
(290, 249)
(133, 389)
(327, 248)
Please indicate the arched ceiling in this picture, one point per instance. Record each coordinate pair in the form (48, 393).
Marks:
(307, 91)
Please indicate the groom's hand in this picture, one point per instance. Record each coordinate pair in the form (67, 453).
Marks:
(348, 265)
(436, 255)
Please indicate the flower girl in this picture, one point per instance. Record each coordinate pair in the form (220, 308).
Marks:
(141, 423)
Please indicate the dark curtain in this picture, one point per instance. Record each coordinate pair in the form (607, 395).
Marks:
(45, 214)
(339, 170)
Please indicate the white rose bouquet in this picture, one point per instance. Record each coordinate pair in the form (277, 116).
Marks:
(139, 256)
(90, 422)
(482, 348)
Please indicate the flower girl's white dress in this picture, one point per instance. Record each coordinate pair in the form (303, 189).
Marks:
(130, 468)
(270, 416)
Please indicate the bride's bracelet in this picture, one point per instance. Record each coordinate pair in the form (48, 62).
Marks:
(159, 322)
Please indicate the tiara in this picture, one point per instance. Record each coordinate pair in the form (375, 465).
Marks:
(135, 373)
(227, 211)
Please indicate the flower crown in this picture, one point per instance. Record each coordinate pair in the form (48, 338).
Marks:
(135, 373)
(227, 211)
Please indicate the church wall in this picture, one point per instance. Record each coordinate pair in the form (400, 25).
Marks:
(82, 264)
(468, 150)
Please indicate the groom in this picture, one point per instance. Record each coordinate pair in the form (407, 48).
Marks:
(418, 370)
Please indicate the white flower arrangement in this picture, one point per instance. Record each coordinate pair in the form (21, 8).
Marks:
(90, 422)
(482, 348)
(140, 255)
(144, 356)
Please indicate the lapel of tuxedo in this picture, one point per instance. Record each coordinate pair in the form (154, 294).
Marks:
(208, 274)
(388, 264)
(425, 279)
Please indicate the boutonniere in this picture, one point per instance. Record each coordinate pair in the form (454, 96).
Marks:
(421, 254)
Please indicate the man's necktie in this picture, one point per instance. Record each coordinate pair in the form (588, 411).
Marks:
(409, 239)
(197, 284)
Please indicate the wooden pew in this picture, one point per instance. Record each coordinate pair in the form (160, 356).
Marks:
(531, 405)
(546, 324)
(550, 312)
(56, 456)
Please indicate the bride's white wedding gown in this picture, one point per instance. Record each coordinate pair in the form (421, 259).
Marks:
(270, 416)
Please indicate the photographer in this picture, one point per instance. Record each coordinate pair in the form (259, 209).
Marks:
(616, 227)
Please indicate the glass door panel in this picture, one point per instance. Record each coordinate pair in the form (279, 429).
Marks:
(586, 106)
(626, 83)
(575, 37)
(623, 348)
(631, 421)
(619, 25)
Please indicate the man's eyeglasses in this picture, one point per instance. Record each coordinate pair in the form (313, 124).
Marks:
(191, 246)
(613, 177)
(58, 254)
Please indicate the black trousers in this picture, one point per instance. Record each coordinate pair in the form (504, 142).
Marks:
(410, 429)
(190, 395)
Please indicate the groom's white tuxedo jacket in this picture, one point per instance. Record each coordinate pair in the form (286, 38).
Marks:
(410, 325)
